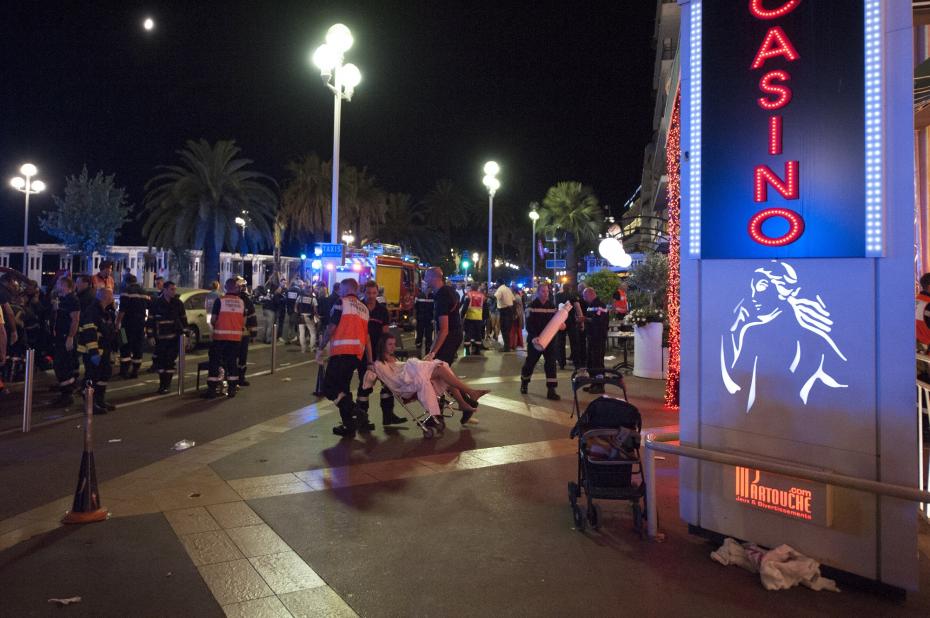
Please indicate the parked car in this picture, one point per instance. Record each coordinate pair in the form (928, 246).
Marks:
(194, 305)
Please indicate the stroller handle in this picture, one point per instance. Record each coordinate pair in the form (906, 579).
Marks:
(601, 375)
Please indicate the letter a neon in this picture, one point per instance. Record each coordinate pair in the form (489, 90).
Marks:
(776, 43)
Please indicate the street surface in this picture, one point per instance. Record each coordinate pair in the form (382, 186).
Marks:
(271, 515)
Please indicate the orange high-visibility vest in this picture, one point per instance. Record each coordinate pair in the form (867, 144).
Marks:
(231, 319)
(351, 333)
(621, 304)
(475, 309)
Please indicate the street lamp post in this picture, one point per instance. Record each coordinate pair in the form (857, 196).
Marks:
(341, 79)
(27, 186)
(465, 265)
(491, 169)
(534, 217)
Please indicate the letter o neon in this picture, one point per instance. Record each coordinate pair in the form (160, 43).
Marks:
(795, 227)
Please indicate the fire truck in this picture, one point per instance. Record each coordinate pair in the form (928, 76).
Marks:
(398, 275)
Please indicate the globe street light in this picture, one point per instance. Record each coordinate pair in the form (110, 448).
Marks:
(465, 265)
(341, 79)
(534, 217)
(491, 169)
(348, 238)
(27, 186)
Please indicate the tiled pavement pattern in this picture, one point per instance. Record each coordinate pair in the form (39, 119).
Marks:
(247, 567)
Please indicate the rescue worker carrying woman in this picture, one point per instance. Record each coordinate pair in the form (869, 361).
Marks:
(349, 346)
(228, 321)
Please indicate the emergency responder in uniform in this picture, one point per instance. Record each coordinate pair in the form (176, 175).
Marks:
(378, 324)
(570, 332)
(540, 311)
(249, 330)
(307, 313)
(597, 319)
(228, 319)
(424, 313)
(65, 324)
(347, 338)
(473, 307)
(167, 321)
(133, 305)
(97, 340)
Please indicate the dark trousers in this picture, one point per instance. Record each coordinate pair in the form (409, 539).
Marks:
(549, 359)
(223, 354)
(130, 354)
(243, 357)
(166, 353)
(65, 364)
(337, 385)
(506, 314)
(98, 374)
(450, 347)
(474, 332)
(424, 334)
(580, 357)
(596, 350)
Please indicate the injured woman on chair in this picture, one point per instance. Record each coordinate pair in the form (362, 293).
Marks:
(425, 380)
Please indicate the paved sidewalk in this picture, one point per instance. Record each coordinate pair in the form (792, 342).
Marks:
(271, 515)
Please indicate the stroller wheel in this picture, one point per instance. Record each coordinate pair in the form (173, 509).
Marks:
(573, 493)
(428, 432)
(578, 516)
(594, 516)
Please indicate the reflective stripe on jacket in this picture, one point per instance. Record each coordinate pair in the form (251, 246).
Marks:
(351, 332)
(230, 320)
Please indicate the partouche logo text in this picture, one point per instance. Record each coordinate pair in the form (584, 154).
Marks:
(785, 496)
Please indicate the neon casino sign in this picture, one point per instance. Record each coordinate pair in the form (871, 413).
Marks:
(784, 154)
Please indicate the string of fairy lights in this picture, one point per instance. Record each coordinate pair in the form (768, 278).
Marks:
(673, 162)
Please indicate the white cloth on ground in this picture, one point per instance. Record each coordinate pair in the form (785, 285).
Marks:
(779, 569)
(413, 377)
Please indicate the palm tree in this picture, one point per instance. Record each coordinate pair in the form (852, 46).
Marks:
(307, 197)
(571, 209)
(196, 204)
(361, 202)
(406, 224)
(449, 208)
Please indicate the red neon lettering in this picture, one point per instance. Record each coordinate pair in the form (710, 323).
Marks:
(760, 12)
(788, 188)
(775, 123)
(776, 43)
(795, 227)
(767, 86)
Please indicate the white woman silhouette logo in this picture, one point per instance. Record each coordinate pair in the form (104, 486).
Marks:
(775, 302)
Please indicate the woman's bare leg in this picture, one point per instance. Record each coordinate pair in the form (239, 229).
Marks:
(444, 373)
(457, 395)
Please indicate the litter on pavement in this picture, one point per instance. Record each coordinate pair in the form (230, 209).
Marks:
(183, 445)
(68, 601)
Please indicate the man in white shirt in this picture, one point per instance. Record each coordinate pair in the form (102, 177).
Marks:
(504, 298)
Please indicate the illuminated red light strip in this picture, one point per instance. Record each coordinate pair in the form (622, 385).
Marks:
(775, 136)
(776, 43)
(784, 92)
(787, 188)
(795, 223)
(760, 12)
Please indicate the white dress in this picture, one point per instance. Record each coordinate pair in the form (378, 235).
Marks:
(413, 377)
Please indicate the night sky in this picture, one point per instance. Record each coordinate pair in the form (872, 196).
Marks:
(551, 90)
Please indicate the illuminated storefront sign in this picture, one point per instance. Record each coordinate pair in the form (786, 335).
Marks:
(785, 142)
(782, 495)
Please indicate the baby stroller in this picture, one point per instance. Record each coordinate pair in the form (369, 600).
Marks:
(609, 465)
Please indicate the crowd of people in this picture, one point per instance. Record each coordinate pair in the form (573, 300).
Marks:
(77, 323)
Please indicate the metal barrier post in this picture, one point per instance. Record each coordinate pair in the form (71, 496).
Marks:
(274, 347)
(652, 512)
(28, 386)
(182, 362)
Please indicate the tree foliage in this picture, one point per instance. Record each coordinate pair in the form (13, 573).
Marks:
(90, 214)
(651, 279)
(196, 204)
(604, 282)
(571, 210)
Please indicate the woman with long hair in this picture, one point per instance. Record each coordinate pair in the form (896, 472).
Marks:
(426, 379)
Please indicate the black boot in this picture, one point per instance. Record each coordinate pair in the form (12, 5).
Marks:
(134, 373)
(524, 383)
(242, 380)
(100, 404)
(347, 413)
(124, 371)
(164, 383)
(551, 394)
(64, 399)
(211, 393)
(387, 411)
(231, 388)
